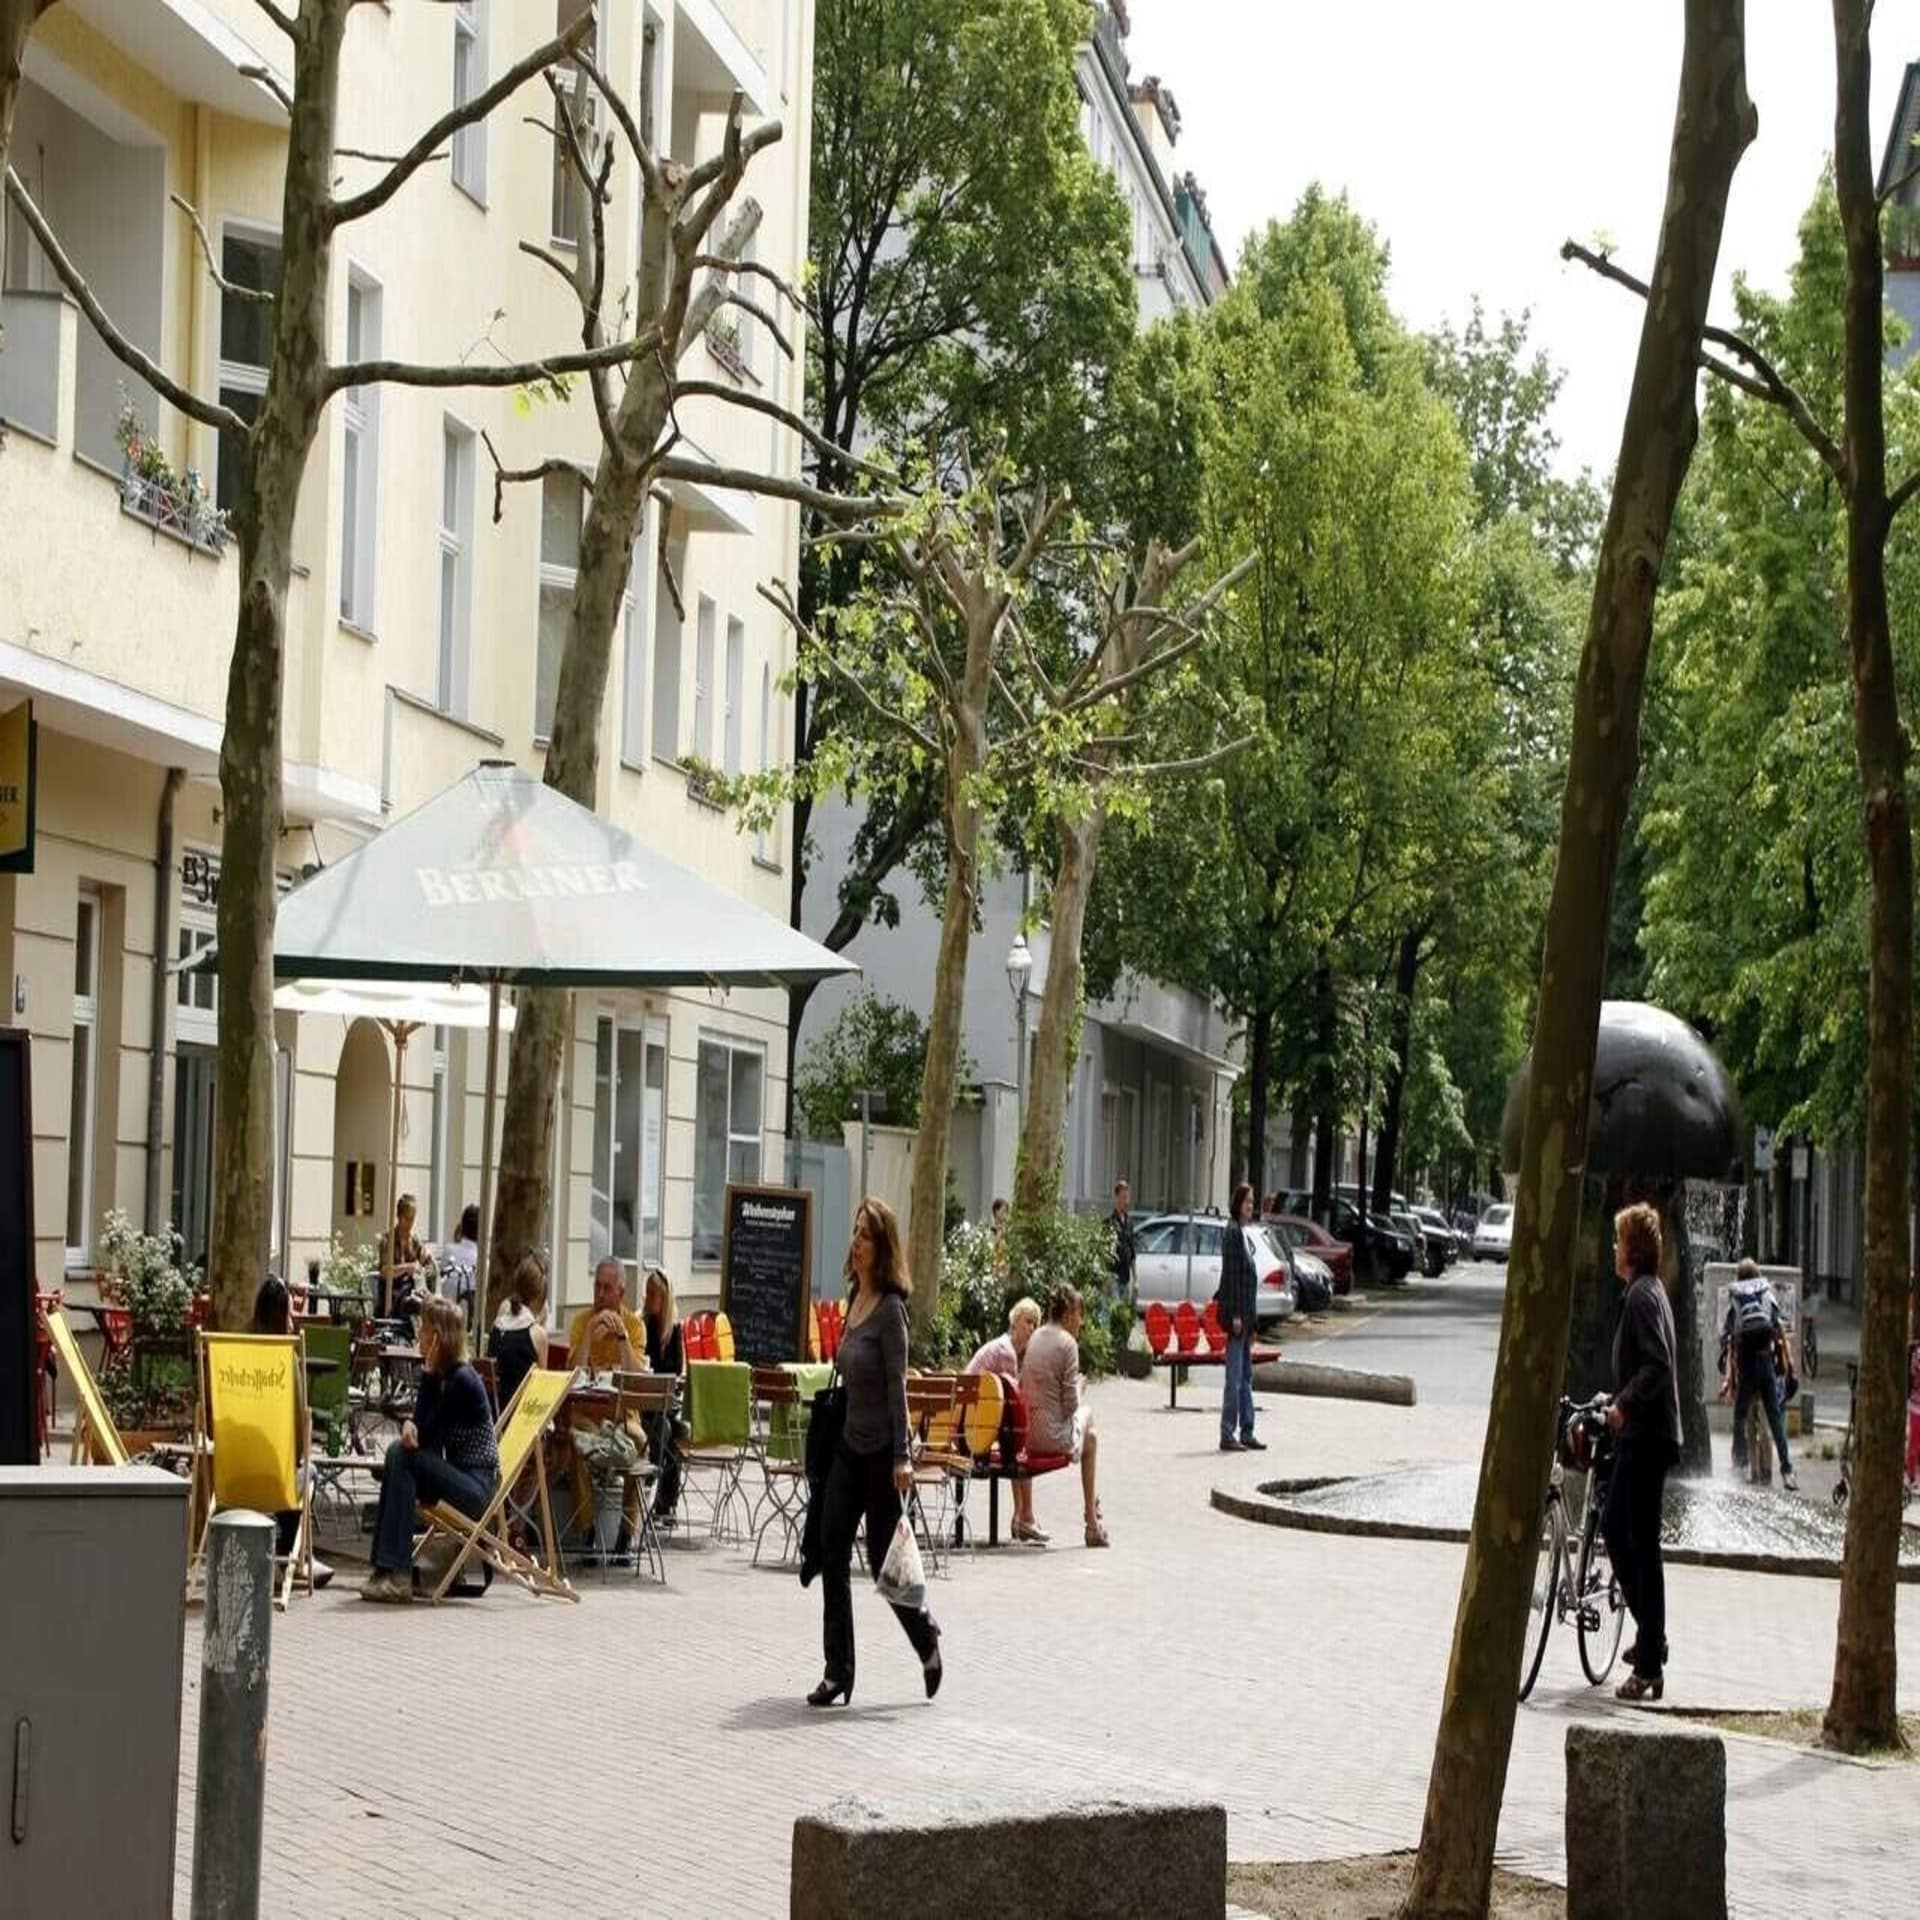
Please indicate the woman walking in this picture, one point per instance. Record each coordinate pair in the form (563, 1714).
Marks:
(1239, 1300)
(872, 1470)
(1645, 1416)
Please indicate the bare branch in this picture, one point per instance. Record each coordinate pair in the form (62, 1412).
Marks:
(513, 373)
(781, 601)
(548, 258)
(280, 18)
(757, 403)
(219, 279)
(1196, 763)
(1895, 189)
(1772, 388)
(733, 297)
(272, 82)
(705, 302)
(384, 159)
(1901, 494)
(357, 206)
(773, 486)
(504, 477)
(1038, 528)
(208, 412)
(778, 279)
(651, 170)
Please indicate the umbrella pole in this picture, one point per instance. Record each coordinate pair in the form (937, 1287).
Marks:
(399, 1029)
(482, 1268)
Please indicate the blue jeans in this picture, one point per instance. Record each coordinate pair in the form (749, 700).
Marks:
(1759, 1381)
(419, 1478)
(1236, 1402)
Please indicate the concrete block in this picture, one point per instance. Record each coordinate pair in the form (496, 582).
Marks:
(1017, 1858)
(1646, 1824)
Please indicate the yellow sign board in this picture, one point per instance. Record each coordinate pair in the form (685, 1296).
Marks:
(17, 744)
(253, 1419)
(102, 1436)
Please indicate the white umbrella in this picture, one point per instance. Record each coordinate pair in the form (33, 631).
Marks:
(402, 1007)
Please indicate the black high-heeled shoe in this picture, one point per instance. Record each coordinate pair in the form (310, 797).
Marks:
(829, 1690)
(934, 1670)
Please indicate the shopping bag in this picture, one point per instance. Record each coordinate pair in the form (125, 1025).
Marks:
(903, 1579)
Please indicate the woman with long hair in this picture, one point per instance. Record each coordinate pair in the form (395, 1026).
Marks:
(1239, 1299)
(872, 1470)
(666, 1353)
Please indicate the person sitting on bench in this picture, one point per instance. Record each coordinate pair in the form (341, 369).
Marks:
(1003, 1355)
(1059, 1419)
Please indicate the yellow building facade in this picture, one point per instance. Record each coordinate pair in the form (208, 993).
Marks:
(424, 625)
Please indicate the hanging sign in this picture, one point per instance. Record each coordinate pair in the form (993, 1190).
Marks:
(19, 741)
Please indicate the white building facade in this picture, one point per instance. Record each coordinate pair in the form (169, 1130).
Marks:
(423, 626)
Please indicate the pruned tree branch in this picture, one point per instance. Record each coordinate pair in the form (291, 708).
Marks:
(280, 18)
(339, 213)
(384, 159)
(781, 601)
(512, 373)
(208, 412)
(733, 297)
(505, 476)
(758, 403)
(764, 272)
(1767, 385)
(272, 82)
(219, 279)
(1895, 188)
(776, 486)
(1901, 494)
(652, 171)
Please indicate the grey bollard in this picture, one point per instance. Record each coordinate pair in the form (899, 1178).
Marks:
(235, 1658)
(1646, 1824)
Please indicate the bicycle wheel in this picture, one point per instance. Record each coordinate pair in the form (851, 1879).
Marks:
(1545, 1603)
(1602, 1612)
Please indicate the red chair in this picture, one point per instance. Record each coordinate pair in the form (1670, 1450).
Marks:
(45, 1379)
(116, 1331)
(831, 1328)
(1211, 1327)
(1186, 1327)
(1159, 1327)
(700, 1341)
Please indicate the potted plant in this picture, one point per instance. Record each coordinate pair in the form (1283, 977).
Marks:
(151, 1397)
(150, 490)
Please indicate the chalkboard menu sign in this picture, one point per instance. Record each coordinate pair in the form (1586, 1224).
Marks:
(19, 1439)
(766, 1272)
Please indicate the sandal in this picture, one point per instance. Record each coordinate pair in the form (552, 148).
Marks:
(1640, 1686)
(1027, 1530)
(1097, 1534)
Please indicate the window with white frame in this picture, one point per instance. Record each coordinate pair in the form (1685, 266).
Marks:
(728, 1119)
(86, 1077)
(668, 620)
(469, 81)
(736, 695)
(196, 995)
(628, 1180)
(561, 495)
(703, 680)
(456, 568)
(763, 837)
(633, 666)
(584, 104)
(249, 260)
(360, 464)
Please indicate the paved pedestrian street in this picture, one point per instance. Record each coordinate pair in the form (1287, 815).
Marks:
(647, 1751)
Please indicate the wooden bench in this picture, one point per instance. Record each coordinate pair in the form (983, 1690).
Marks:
(1182, 1338)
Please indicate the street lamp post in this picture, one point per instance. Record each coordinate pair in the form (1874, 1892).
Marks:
(1019, 969)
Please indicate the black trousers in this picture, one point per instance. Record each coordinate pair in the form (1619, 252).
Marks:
(1630, 1524)
(860, 1486)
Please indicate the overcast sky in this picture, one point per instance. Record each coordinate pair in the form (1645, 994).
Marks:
(1477, 135)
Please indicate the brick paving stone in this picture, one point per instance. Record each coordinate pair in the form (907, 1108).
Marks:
(647, 1751)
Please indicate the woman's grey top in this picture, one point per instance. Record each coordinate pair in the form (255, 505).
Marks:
(873, 1363)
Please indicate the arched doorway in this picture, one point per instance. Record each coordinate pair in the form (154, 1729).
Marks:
(362, 1120)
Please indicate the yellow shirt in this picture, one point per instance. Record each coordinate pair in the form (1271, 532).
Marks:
(604, 1353)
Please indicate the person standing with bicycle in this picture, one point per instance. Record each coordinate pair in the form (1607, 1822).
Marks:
(1753, 1342)
(1645, 1419)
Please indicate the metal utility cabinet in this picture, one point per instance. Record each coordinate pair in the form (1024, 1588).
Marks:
(93, 1564)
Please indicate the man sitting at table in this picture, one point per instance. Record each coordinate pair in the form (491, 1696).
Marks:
(606, 1337)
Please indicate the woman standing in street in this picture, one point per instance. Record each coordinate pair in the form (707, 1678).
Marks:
(1645, 1418)
(872, 1470)
(1239, 1300)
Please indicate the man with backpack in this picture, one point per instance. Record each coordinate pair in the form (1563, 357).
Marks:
(1752, 1337)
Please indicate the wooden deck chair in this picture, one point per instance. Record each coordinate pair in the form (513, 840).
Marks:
(95, 1438)
(722, 1337)
(932, 1400)
(254, 1437)
(523, 1426)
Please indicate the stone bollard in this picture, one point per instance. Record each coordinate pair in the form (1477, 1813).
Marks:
(235, 1657)
(1646, 1825)
(1017, 1858)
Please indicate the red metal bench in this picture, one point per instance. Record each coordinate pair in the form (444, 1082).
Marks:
(1182, 1338)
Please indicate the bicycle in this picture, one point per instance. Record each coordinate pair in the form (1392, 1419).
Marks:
(1591, 1597)
(1810, 1342)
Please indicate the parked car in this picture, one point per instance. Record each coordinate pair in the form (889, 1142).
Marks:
(1312, 1277)
(1375, 1240)
(1177, 1257)
(1336, 1255)
(1437, 1228)
(1429, 1248)
(1493, 1237)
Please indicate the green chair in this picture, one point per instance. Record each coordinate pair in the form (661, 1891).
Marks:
(329, 1352)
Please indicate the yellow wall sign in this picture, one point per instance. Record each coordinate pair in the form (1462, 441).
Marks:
(253, 1399)
(17, 744)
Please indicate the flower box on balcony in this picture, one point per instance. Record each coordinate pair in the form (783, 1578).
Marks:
(150, 490)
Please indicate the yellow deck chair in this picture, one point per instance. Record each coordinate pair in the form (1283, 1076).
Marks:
(96, 1439)
(253, 1438)
(722, 1337)
(522, 1427)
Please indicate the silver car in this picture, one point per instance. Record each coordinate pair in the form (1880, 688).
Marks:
(1493, 1237)
(1177, 1257)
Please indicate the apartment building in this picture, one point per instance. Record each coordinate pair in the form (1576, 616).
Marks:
(1151, 1096)
(424, 624)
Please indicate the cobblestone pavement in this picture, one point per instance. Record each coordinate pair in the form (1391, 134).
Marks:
(646, 1752)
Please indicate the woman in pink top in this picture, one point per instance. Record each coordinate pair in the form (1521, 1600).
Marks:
(1002, 1355)
(1060, 1420)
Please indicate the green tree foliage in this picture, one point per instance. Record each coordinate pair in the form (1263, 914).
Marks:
(1756, 897)
(873, 1042)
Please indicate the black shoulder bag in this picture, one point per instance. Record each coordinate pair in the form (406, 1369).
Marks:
(826, 1422)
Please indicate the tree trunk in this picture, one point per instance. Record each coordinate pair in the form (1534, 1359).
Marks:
(1862, 1711)
(1259, 1090)
(1714, 121)
(1043, 1127)
(1326, 1117)
(1406, 976)
(926, 1231)
(250, 752)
